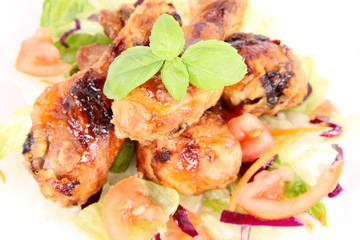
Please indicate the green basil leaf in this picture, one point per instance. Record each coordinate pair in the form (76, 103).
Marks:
(167, 39)
(175, 77)
(124, 157)
(132, 68)
(213, 64)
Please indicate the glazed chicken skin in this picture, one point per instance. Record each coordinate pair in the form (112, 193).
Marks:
(149, 112)
(275, 80)
(205, 156)
(72, 144)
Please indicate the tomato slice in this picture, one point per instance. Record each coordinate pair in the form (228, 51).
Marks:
(126, 205)
(261, 203)
(255, 138)
(39, 57)
(325, 109)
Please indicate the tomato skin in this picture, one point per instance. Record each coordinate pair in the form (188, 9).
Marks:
(261, 199)
(39, 57)
(255, 138)
(325, 109)
(126, 205)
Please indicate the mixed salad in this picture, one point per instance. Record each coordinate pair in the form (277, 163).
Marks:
(308, 140)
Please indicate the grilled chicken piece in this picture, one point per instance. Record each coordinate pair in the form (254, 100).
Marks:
(205, 156)
(275, 80)
(72, 144)
(114, 20)
(149, 112)
(87, 56)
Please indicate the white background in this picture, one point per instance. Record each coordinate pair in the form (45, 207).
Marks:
(327, 29)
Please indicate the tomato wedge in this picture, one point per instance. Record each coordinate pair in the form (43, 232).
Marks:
(255, 138)
(127, 205)
(257, 202)
(39, 57)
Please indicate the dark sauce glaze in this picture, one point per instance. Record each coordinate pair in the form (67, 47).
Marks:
(87, 99)
(64, 188)
(275, 81)
(162, 155)
(29, 141)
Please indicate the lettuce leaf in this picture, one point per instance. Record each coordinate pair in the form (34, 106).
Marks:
(124, 157)
(164, 197)
(13, 131)
(75, 41)
(59, 17)
(298, 186)
(319, 86)
(90, 222)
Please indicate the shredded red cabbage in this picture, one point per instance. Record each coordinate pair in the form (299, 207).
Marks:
(245, 232)
(335, 130)
(338, 189)
(245, 166)
(138, 2)
(340, 155)
(94, 17)
(181, 219)
(66, 34)
(246, 219)
(309, 92)
(156, 237)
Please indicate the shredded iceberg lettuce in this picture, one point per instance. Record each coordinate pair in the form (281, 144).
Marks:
(90, 221)
(59, 17)
(319, 87)
(13, 131)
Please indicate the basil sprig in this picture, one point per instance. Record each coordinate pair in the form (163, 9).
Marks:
(208, 64)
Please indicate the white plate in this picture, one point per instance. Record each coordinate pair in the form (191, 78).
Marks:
(325, 29)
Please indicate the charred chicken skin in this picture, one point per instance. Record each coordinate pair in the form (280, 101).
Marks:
(205, 156)
(72, 144)
(149, 112)
(275, 80)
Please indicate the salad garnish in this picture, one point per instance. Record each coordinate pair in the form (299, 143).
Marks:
(335, 130)
(182, 220)
(207, 64)
(246, 219)
(66, 34)
(269, 190)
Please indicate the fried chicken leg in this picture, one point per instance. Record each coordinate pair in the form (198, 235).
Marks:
(275, 80)
(205, 156)
(72, 144)
(149, 112)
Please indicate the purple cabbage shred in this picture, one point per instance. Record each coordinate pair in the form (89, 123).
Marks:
(245, 232)
(93, 17)
(246, 219)
(338, 189)
(138, 2)
(156, 237)
(66, 34)
(335, 130)
(340, 155)
(309, 92)
(181, 219)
